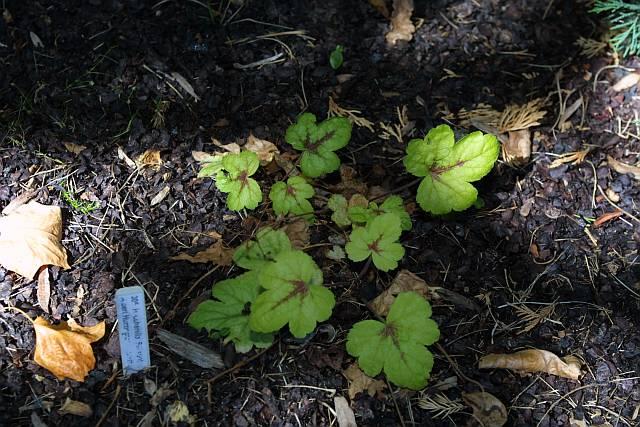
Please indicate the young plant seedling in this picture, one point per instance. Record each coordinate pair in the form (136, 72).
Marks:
(234, 179)
(228, 315)
(292, 197)
(261, 252)
(448, 167)
(336, 57)
(359, 211)
(294, 294)
(397, 345)
(378, 240)
(318, 143)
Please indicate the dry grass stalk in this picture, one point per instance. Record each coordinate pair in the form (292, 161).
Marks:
(353, 115)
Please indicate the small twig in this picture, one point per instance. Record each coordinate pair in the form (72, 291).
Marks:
(633, 217)
(111, 405)
(237, 366)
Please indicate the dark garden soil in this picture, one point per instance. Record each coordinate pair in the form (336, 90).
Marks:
(97, 80)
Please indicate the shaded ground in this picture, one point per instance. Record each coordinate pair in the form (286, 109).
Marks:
(97, 81)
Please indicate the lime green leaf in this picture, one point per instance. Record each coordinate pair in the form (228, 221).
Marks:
(397, 345)
(211, 167)
(338, 205)
(233, 178)
(336, 57)
(318, 142)
(362, 214)
(378, 239)
(228, 314)
(294, 294)
(448, 167)
(292, 197)
(261, 252)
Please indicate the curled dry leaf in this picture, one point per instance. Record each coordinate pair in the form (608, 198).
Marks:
(626, 82)
(30, 238)
(298, 233)
(487, 408)
(44, 288)
(150, 157)
(217, 254)
(405, 281)
(534, 360)
(360, 382)
(75, 407)
(74, 148)
(401, 26)
(264, 149)
(65, 349)
(623, 167)
(517, 150)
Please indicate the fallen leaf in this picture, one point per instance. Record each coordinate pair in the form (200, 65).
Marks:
(517, 150)
(359, 382)
(65, 349)
(37, 43)
(178, 412)
(336, 253)
(623, 168)
(298, 233)
(74, 148)
(602, 219)
(487, 408)
(123, 156)
(534, 360)
(626, 82)
(231, 148)
(401, 26)
(217, 254)
(162, 194)
(150, 157)
(344, 413)
(349, 184)
(44, 288)
(264, 149)
(75, 407)
(30, 238)
(405, 281)
(194, 352)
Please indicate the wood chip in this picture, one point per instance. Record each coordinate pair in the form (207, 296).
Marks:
(162, 194)
(623, 168)
(189, 350)
(75, 407)
(626, 82)
(344, 413)
(401, 26)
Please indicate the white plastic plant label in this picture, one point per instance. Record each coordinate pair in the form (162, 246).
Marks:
(132, 329)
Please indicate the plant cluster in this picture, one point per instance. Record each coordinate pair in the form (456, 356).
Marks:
(283, 286)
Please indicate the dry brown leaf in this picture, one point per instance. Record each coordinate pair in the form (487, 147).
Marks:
(349, 183)
(123, 156)
(487, 408)
(75, 407)
(162, 194)
(203, 157)
(623, 168)
(359, 382)
(74, 148)
(264, 149)
(534, 360)
(30, 238)
(405, 281)
(401, 26)
(65, 349)
(178, 412)
(150, 157)
(298, 233)
(626, 82)
(44, 288)
(217, 254)
(517, 150)
(231, 148)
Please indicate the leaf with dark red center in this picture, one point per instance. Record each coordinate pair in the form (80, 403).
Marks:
(293, 295)
(379, 240)
(234, 179)
(292, 197)
(448, 167)
(397, 345)
(318, 142)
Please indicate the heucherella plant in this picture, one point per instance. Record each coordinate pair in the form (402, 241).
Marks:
(292, 197)
(448, 167)
(318, 141)
(228, 315)
(234, 178)
(358, 210)
(283, 287)
(397, 345)
(378, 240)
